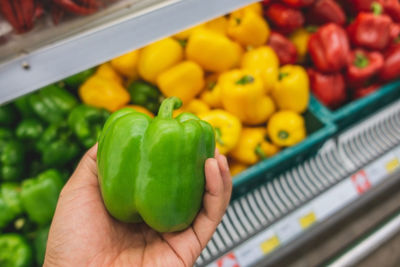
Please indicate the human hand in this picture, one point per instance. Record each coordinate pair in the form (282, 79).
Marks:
(83, 233)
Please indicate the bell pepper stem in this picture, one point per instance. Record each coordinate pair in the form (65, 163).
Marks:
(311, 28)
(183, 43)
(361, 61)
(246, 79)
(283, 135)
(376, 8)
(218, 136)
(282, 75)
(168, 106)
(211, 85)
(259, 152)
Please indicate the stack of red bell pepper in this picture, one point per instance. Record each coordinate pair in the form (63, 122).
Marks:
(353, 47)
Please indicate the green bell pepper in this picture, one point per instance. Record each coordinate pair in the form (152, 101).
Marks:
(11, 156)
(39, 244)
(52, 103)
(77, 79)
(8, 115)
(39, 196)
(29, 129)
(5, 135)
(145, 95)
(23, 106)
(153, 169)
(57, 145)
(87, 122)
(15, 251)
(10, 203)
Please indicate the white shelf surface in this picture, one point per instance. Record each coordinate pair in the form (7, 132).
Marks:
(54, 53)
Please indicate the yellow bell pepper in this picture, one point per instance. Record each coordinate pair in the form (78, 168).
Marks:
(292, 89)
(236, 167)
(253, 146)
(140, 109)
(300, 39)
(158, 57)
(226, 126)
(219, 25)
(126, 64)
(183, 35)
(243, 94)
(255, 7)
(213, 51)
(248, 28)
(212, 92)
(103, 93)
(286, 128)
(265, 62)
(196, 106)
(105, 70)
(184, 80)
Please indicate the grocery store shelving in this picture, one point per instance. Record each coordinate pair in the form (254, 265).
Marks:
(47, 55)
(280, 211)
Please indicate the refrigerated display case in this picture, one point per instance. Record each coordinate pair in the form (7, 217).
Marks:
(349, 154)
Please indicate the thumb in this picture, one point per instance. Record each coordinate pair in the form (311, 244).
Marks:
(85, 173)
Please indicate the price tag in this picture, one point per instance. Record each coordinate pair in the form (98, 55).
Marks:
(392, 165)
(270, 244)
(307, 220)
(229, 260)
(361, 182)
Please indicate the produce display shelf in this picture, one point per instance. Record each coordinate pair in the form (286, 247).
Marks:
(44, 56)
(268, 218)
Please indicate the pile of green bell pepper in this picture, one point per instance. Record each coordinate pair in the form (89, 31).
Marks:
(42, 137)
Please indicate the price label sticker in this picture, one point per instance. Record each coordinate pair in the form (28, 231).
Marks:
(307, 220)
(392, 165)
(361, 182)
(270, 244)
(229, 260)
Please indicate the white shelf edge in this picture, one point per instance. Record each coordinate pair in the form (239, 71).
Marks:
(77, 53)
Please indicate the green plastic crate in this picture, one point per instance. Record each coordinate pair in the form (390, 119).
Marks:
(359, 109)
(319, 129)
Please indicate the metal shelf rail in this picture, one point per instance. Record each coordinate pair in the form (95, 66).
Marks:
(40, 58)
(282, 209)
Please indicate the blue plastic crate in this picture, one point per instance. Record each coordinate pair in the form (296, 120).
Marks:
(319, 129)
(359, 109)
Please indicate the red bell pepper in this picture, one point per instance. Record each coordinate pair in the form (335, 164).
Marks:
(298, 3)
(391, 65)
(285, 19)
(330, 89)
(82, 8)
(21, 14)
(325, 11)
(395, 33)
(358, 6)
(362, 67)
(392, 8)
(361, 92)
(370, 30)
(329, 48)
(283, 47)
(266, 2)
